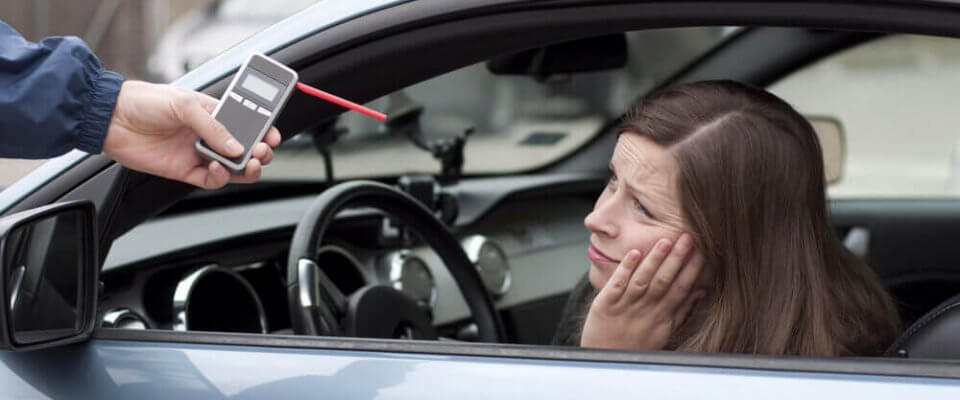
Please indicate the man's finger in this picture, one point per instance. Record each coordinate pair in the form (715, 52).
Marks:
(197, 176)
(208, 103)
(198, 119)
(263, 152)
(273, 137)
(217, 176)
(210, 176)
(251, 173)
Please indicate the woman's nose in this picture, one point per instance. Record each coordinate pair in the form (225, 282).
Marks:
(600, 220)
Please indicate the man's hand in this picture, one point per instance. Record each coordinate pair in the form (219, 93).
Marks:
(640, 306)
(154, 128)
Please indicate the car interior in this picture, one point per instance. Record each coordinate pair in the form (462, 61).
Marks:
(504, 144)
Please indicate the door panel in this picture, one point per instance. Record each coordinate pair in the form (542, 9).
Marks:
(132, 369)
(911, 244)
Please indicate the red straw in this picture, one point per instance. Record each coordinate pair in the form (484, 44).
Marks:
(341, 101)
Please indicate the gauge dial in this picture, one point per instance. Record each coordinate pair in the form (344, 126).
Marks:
(123, 318)
(411, 275)
(205, 296)
(490, 261)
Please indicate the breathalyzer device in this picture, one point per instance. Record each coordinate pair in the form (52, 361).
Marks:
(251, 103)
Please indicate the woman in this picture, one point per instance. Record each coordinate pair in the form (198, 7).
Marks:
(712, 235)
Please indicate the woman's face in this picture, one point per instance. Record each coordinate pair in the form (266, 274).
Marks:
(639, 206)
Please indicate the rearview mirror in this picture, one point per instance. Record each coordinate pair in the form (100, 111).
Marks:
(833, 145)
(583, 55)
(48, 276)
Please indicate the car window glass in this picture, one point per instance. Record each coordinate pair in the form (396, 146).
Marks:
(894, 97)
(519, 122)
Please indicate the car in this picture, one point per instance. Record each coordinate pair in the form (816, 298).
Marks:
(438, 254)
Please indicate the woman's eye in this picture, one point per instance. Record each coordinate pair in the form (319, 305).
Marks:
(639, 207)
(612, 181)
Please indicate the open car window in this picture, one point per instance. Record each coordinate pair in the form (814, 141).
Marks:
(520, 123)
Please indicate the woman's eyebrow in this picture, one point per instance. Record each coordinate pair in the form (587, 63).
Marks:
(648, 203)
(651, 199)
(634, 189)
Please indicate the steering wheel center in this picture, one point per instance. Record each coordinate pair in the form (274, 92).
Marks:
(403, 319)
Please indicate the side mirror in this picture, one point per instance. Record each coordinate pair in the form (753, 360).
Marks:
(833, 144)
(48, 276)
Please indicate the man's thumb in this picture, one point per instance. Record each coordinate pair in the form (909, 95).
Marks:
(210, 130)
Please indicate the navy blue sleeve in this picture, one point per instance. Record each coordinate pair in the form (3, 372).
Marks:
(55, 96)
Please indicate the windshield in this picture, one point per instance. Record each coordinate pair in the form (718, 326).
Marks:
(519, 122)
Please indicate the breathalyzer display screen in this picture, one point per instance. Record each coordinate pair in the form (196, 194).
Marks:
(253, 100)
(260, 86)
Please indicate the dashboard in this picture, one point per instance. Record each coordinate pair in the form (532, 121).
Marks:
(224, 269)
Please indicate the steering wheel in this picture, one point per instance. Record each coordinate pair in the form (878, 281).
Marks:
(318, 307)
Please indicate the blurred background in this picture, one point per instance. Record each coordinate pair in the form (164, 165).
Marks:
(152, 40)
(121, 32)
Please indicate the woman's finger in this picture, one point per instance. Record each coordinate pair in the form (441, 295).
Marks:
(615, 286)
(680, 289)
(647, 270)
(668, 270)
(640, 281)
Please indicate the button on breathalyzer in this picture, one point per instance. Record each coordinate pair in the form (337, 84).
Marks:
(251, 103)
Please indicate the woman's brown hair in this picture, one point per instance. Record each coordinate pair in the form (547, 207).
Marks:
(751, 187)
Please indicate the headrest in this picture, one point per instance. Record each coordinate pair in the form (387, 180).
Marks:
(935, 335)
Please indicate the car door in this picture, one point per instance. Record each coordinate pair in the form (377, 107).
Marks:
(417, 40)
(187, 366)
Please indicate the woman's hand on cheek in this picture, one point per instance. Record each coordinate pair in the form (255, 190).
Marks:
(643, 302)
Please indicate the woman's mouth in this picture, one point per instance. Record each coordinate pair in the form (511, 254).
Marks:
(598, 257)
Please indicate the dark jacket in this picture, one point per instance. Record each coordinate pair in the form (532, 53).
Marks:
(55, 96)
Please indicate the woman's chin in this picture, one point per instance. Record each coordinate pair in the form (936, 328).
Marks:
(597, 276)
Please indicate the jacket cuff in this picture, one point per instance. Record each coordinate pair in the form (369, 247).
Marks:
(100, 102)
